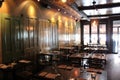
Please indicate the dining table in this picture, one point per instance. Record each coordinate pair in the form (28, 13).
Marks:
(67, 72)
(6, 69)
(60, 72)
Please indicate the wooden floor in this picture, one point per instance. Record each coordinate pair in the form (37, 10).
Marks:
(113, 66)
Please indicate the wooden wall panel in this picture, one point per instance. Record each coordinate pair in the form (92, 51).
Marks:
(11, 39)
(24, 37)
(48, 37)
(67, 32)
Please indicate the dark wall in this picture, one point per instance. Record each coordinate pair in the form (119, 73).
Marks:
(24, 37)
(19, 38)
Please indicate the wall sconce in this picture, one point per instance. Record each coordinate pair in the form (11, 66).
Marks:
(52, 20)
(1, 1)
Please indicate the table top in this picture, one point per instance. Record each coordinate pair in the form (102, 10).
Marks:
(62, 73)
(66, 47)
(87, 56)
(80, 55)
(24, 61)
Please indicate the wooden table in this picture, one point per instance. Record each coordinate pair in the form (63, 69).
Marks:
(61, 72)
(6, 69)
(65, 72)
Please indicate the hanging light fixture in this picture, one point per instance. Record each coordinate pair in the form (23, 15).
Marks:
(94, 22)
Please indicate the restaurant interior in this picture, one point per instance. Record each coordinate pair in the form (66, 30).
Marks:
(59, 39)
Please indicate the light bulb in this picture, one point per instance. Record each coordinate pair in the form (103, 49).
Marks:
(38, 0)
(64, 1)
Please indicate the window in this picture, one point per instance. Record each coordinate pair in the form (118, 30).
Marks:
(86, 34)
(94, 34)
(102, 34)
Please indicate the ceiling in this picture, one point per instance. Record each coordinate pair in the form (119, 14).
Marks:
(86, 9)
(102, 8)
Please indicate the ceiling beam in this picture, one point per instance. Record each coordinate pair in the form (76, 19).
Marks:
(100, 6)
(75, 7)
(105, 15)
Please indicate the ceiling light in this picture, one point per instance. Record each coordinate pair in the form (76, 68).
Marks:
(58, 9)
(38, 0)
(65, 12)
(64, 1)
(94, 22)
